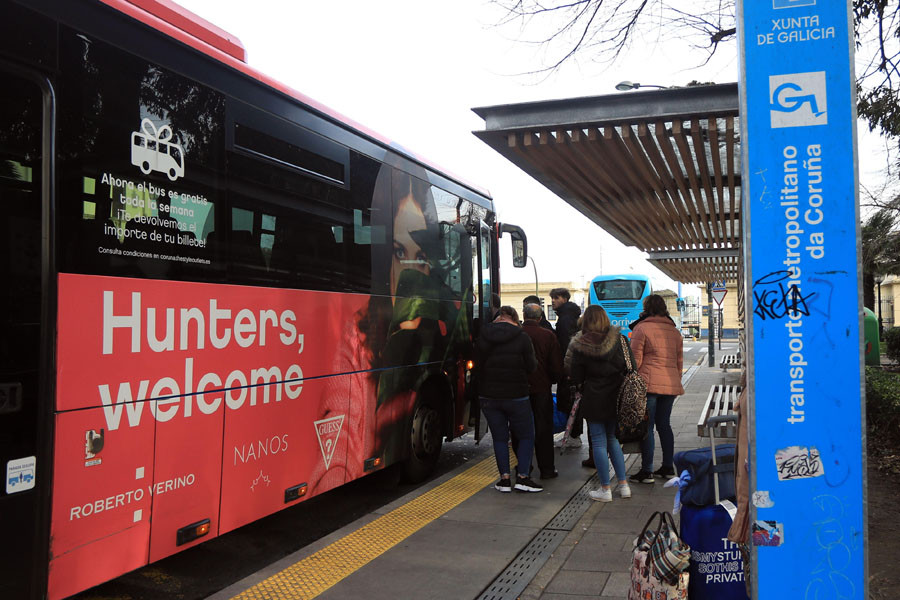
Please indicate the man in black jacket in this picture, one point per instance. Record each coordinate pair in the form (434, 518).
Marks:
(504, 357)
(567, 314)
(549, 371)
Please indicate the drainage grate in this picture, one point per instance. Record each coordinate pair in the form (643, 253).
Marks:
(519, 573)
(516, 577)
(566, 518)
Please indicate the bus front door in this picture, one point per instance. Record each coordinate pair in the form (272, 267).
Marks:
(483, 312)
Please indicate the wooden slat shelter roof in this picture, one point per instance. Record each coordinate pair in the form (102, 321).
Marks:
(659, 170)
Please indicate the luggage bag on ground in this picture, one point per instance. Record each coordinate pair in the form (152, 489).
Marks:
(700, 491)
(659, 562)
(717, 567)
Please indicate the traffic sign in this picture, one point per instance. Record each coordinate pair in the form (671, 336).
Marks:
(718, 295)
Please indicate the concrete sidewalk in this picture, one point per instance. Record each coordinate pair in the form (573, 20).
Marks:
(554, 545)
(595, 557)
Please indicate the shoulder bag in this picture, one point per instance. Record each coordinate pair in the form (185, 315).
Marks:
(632, 420)
(660, 560)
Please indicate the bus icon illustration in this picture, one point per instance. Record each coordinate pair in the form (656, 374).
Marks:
(798, 100)
(152, 150)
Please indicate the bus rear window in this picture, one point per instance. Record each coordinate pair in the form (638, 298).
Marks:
(619, 289)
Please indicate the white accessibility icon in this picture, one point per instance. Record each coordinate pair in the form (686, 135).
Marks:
(798, 100)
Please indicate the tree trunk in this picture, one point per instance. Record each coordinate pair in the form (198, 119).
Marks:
(868, 282)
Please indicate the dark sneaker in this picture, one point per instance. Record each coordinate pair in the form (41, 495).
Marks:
(525, 484)
(504, 485)
(642, 477)
(589, 463)
(549, 474)
(665, 472)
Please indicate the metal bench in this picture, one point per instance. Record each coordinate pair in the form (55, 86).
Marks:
(731, 361)
(722, 401)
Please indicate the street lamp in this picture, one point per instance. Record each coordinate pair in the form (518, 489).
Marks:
(624, 86)
(878, 279)
(534, 266)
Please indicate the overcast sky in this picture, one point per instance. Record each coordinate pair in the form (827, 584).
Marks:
(412, 70)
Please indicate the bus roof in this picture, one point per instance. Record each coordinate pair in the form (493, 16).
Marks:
(183, 25)
(632, 276)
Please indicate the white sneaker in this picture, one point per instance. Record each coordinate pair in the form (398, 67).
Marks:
(601, 495)
(573, 442)
(624, 490)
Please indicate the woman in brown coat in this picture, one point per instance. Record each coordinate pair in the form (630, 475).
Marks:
(658, 354)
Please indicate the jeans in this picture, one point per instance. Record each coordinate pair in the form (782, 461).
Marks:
(605, 447)
(659, 407)
(542, 409)
(505, 415)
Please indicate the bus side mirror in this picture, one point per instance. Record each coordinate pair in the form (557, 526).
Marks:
(519, 243)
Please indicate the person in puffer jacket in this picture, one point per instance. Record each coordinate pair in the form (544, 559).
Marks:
(595, 361)
(504, 357)
(658, 349)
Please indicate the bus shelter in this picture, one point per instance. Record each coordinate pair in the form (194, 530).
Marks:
(660, 170)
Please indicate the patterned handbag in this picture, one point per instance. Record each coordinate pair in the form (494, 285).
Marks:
(659, 567)
(632, 420)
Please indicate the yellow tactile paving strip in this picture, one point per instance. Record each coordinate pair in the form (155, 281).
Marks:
(316, 573)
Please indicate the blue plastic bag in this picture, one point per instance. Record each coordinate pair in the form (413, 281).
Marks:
(559, 418)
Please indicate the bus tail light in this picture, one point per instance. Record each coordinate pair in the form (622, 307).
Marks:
(192, 532)
(470, 365)
(293, 493)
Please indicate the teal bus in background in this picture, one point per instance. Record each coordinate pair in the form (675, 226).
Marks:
(621, 296)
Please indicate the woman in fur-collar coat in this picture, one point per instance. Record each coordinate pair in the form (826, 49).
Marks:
(595, 361)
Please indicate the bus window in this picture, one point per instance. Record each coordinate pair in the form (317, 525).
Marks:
(484, 252)
(619, 289)
(292, 230)
(140, 224)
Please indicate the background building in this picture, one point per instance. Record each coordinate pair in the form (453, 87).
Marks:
(512, 294)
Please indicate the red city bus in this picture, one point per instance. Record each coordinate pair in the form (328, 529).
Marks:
(221, 298)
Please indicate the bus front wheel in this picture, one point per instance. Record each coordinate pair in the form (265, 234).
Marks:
(145, 167)
(425, 439)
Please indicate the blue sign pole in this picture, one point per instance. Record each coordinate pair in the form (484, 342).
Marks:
(798, 125)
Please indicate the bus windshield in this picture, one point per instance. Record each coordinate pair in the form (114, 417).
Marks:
(619, 289)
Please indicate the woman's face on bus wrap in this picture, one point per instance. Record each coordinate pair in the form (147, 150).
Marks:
(407, 254)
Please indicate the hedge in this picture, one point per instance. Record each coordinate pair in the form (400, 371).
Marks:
(883, 403)
(892, 343)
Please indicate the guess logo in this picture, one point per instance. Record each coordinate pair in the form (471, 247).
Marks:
(328, 431)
